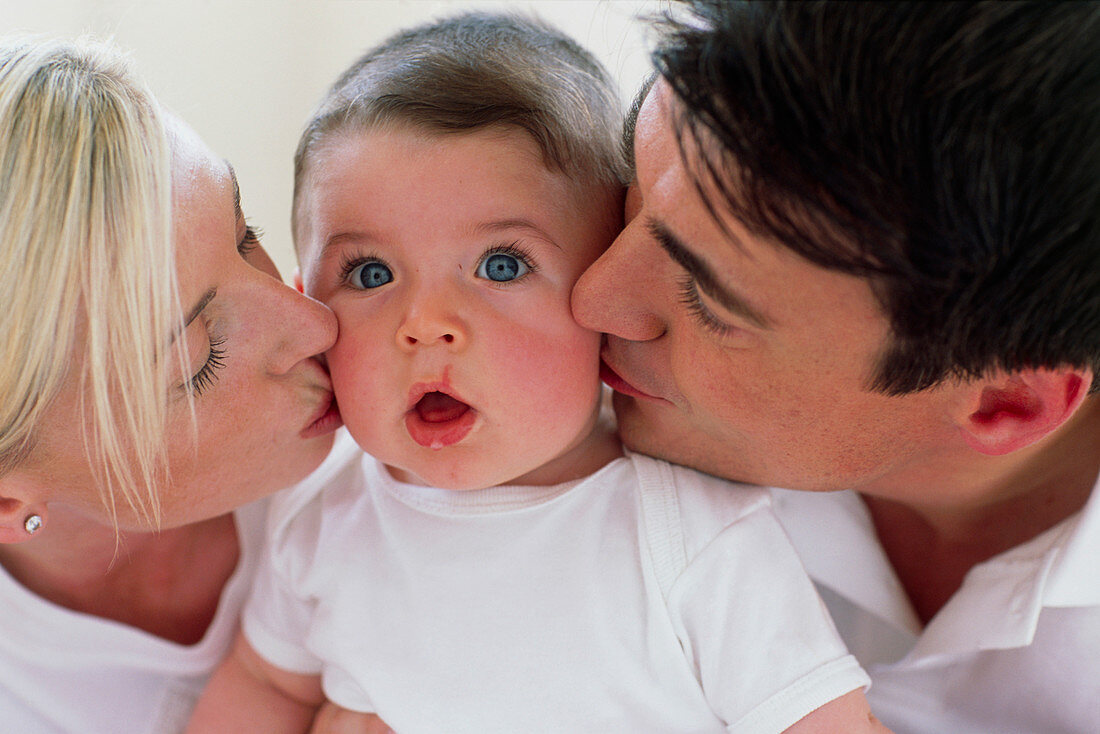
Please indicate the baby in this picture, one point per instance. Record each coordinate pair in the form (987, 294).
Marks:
(493, 562)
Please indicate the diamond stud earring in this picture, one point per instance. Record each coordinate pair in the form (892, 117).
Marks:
(32, 524)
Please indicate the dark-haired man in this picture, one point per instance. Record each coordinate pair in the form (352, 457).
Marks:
(862, 253)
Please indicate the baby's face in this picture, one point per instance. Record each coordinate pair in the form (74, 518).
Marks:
(449, 262)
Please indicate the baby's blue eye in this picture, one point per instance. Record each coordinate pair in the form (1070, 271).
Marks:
(370, 275)
(502, 267)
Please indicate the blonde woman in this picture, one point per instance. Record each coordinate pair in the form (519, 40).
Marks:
(156, 377)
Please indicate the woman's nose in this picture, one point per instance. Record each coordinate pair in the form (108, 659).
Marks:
(305, 328)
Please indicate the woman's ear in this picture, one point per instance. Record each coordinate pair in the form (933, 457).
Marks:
(19, 520)
(1008, 411)
(22, 506)
(297, 279)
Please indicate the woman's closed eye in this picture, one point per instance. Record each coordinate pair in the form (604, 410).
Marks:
(207, 375)
(250, 241)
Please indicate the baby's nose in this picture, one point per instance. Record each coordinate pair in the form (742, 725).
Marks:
(432, 323)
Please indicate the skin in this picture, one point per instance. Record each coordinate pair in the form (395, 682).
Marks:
(419, 198)
(254, 432)
(733, 373)
(436, 211)
(733, 355)
(332, 719)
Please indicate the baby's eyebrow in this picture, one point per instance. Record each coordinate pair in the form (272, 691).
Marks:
(499, 225)
(332, 242)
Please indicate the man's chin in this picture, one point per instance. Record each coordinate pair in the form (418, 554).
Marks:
(640, 431)
(644, 433)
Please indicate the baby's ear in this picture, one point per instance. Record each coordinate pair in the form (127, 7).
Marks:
(297, 278)
(1008, 411)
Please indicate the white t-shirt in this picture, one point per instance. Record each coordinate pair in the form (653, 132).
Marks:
(62, 672)
(540, 609)
(1015, 651)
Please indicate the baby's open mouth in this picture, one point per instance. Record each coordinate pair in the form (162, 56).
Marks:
(438, 420)
(438, 407)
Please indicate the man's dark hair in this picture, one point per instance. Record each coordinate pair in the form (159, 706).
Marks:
(950, 152)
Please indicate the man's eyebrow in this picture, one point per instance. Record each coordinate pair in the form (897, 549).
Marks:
(704, 276)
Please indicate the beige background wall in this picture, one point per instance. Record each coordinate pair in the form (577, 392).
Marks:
(246, 73)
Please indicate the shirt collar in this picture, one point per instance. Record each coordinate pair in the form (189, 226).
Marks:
(999, 603)
(1074, 580)
(1055, 569)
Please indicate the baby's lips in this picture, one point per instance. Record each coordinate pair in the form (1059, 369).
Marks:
(420, 389)
(439, 427)
(439, 407)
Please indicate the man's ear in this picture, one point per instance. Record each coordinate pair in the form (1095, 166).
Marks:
(1008, 411)
(297, 278)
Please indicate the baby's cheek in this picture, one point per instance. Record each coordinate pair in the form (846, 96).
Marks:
(568, 380)
(345, 376)
(359, 379)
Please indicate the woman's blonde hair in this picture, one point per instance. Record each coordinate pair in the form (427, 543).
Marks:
(87, 265)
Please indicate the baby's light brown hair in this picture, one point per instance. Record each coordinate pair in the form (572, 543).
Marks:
(474, 71)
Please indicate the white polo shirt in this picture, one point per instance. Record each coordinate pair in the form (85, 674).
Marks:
(1015, 651)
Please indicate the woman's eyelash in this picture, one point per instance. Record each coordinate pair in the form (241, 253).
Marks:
(205, 378)
(250, 241)
(689, 297)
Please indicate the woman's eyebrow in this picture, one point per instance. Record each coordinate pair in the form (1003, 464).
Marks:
(206, 298)
(199, 306)
(237, 212)
(193, 313)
